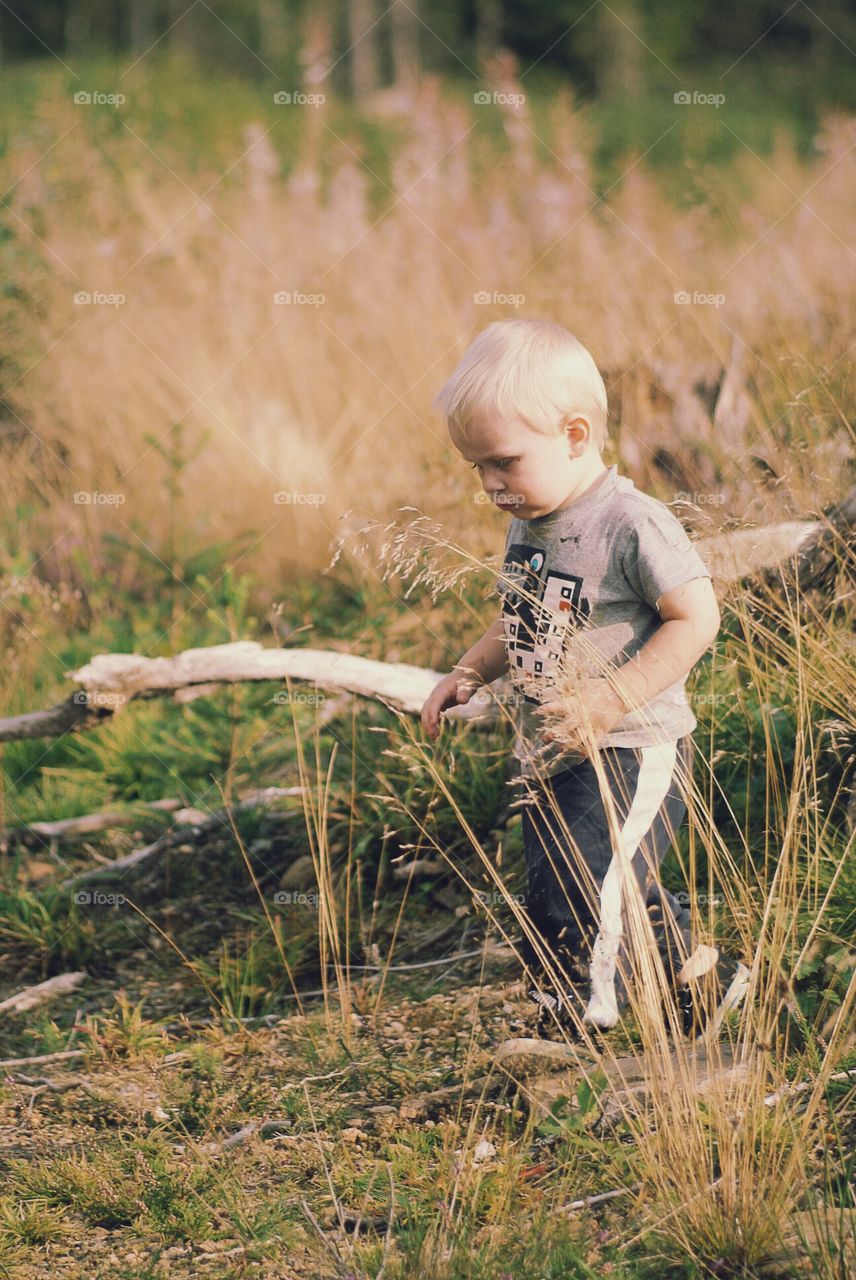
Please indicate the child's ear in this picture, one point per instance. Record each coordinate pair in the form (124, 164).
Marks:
(577, 431)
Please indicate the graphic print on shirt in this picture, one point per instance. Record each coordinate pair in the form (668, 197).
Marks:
(541, 608)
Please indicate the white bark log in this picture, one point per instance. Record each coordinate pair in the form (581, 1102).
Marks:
(30, 997)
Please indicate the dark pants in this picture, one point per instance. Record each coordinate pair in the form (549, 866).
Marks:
(576, 901)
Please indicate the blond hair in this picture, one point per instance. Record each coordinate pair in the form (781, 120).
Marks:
(533, 371)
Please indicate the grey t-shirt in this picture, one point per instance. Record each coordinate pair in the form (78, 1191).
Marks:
(579, 590)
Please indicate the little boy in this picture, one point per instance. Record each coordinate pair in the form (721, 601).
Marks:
(606, 607)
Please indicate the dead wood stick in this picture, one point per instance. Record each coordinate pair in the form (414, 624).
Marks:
(42, 1059)
(111, 680)
(90, 823)
(260, 1127)
(30, 997)
(69, 716)
(815, 560)
(790, 1090)
(176, 835)
(588, 1201)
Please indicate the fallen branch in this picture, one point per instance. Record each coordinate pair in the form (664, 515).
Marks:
(30, 997)
(261, 1127)
(588, 1201)
(790, 1090)
(89, 823)
(423, 1105)
(111, 680)
(815, 562)
(42, 1059)
(176, 835)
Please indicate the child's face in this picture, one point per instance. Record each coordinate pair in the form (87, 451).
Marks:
(522, 471)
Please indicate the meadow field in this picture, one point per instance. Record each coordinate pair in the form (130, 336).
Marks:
(224, 321)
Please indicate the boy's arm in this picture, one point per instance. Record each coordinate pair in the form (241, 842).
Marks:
(691, 620)
(484, 662)
(488, 658)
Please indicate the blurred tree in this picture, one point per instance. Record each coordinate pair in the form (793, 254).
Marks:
(185, 26)
(405, 43)
(273, 33)
(621, 46)
(142, 25)
(488, 28)
(364, 51)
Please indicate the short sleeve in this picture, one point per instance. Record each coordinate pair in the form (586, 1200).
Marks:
(659, 556)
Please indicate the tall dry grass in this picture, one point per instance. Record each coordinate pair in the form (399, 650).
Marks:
(330, 404)
(731, 1172)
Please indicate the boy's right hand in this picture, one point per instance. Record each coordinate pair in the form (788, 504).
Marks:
(452, 691)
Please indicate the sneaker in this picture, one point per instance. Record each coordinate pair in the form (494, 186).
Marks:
(709, 985)
(555, 1019)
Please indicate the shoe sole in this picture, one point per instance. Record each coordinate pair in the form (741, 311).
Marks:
(732, 998)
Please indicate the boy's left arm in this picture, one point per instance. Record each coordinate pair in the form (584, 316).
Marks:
(691, 620)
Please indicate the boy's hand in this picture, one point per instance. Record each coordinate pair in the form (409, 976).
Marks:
(580, 722)
(452, 691)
